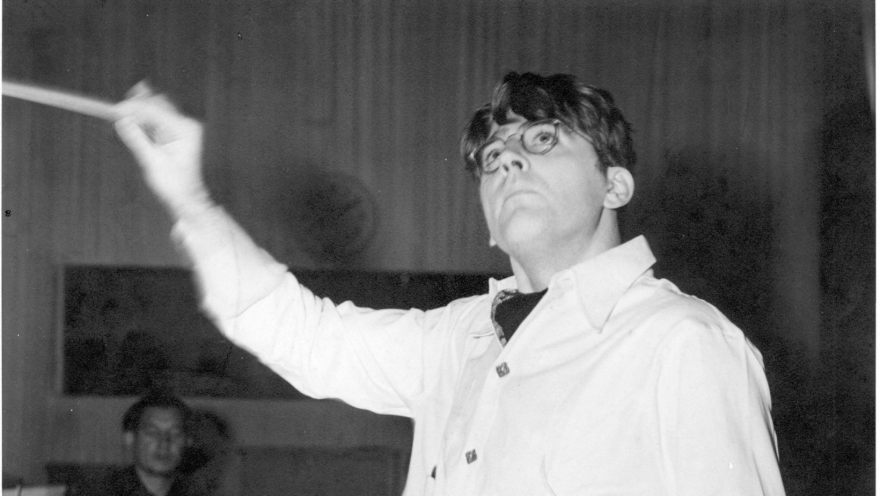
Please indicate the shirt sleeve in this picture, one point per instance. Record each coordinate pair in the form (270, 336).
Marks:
(717, 434)
(371, 359)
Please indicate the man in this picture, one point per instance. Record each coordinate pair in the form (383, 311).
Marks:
(154, 432)
(614, 382)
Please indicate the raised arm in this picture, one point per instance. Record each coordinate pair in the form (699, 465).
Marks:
(369, 358)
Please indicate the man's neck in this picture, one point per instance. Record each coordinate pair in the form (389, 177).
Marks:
(156, 484)
(534, 269)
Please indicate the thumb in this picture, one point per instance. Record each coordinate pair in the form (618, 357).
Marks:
(135, 138)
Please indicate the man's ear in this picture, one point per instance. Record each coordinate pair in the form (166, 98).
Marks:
(620, 187)
(128, 439)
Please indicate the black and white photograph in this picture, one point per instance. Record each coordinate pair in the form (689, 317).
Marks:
(438, 248)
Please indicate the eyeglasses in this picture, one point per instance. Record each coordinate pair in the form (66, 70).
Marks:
(537, 137)
(174, 436)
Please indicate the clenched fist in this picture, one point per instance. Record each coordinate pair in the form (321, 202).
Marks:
(168, 147)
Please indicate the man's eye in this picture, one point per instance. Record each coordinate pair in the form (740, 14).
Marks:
(491, 155)
(543, 138)
(540, 138)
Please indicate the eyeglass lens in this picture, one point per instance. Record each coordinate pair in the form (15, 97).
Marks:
(536, 137)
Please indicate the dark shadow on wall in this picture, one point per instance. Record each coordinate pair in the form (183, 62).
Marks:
(330, 216)
(209, 454)
(713, 235)
(848, 278)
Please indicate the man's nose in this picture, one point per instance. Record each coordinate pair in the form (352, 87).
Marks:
(166, 439)
(513, 158)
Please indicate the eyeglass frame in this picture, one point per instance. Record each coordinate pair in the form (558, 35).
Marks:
(474, 155)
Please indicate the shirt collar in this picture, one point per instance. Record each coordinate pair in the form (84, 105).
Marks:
(496, 285)
(600, 281)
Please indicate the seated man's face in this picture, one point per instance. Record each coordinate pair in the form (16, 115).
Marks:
(159, 441)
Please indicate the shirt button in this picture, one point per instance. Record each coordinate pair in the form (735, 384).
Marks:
(471, 456)
(502, 370)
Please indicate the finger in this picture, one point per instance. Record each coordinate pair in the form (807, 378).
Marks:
(141, 99)
(140, 90)
(154, 114)
(134, 137)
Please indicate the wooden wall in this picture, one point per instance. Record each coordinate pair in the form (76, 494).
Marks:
(379, 91)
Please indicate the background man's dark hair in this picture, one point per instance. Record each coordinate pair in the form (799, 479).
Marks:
(581, 107)
(155, 399)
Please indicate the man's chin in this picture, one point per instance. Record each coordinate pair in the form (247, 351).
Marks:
(163, 469)
(522, 231)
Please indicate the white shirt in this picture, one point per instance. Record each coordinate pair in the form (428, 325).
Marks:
(616, 383)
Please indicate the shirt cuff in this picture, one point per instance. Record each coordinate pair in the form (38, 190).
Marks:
(231, 271)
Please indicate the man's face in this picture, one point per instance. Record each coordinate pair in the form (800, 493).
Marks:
(555, 199)
(159, 441)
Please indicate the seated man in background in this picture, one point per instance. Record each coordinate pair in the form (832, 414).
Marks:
(154, 431)
(580, 374)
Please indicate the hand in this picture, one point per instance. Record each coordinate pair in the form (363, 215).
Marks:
(168, 147)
